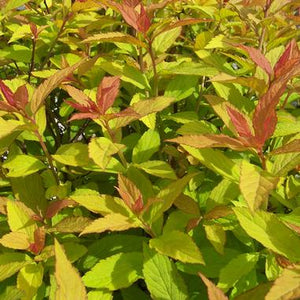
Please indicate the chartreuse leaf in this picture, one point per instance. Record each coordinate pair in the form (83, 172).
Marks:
(157, 168)
(11, 263)
(162, 278)
(267, 229)
(216, 161)
(19, 219)
(101, 149)
(283, 163)
(14, 4)
(181, 87)
(147, 145)
(23, 165)
(286, 287)
(102, 204)
(69, 283)
(179, 246)
(115, 272)
(97, 295)
(255, 185)
(272, 268)
(235, 269)
(30, 279)
(165, 40)
(75, 154)
(216, 235)
(112, 222)
(167, 196)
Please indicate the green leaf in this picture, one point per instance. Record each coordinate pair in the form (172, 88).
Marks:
(178, 245)
(165, 40)
(162, 278)
(181, 87)
(216, 161)
(11, 263)
(69, 283)
(23, 165)
(236, 268)
(30, 279)
(75, 154)
(101, 149)
(115, 272)
(216, 235)
(255, 185)
(110, 245)
(157, 168)
(112, 222)
(147, 145)
(14, 4)
(283, 163)
(71, 224)
(272, 268)
(267, 229)
(134, 292)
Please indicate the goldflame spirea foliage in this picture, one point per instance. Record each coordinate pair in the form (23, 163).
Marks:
(149, 150)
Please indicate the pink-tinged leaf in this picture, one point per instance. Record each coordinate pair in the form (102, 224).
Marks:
(210, 141)
(287, 59)
(143, 21)
(258, 58)
(291, 147)
(264, 117)
(129, 14)
(132, 3)
(82, 116)
(214, 293)
(21, 97)
(7, 93)
(130, 194)
(56, 206)
(240, 122)
(39, 240)
(80, 97)
(34, 30)
(6, 107)
(107, 93)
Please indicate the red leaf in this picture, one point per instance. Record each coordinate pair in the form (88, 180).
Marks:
(7, 93)
(39, 240)
(107, 93)
(6, 107)
(132, 3)
(240, 123)
(129, 14)
(81, 116)
(143, 21)
(258, 58)
(34, 30)
(21, 97)
(264, 117)
(287, 59)
(55, 206)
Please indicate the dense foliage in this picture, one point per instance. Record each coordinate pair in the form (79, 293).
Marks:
(150, 150)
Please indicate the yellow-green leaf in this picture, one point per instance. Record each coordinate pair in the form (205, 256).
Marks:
(101, 149)
(255, 185)
(30, 279)
(216, 235)
(23, 165)
(157, 168)
(113, 222)
(115, 272)
(15, 240)
(69, 283)
(178, 245)
(267, 229)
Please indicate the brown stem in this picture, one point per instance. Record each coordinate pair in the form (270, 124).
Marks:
(32, 59)
(263, 33)
(262, 158)
(155, 77)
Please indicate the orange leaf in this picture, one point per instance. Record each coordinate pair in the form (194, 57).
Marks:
(210, 141)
